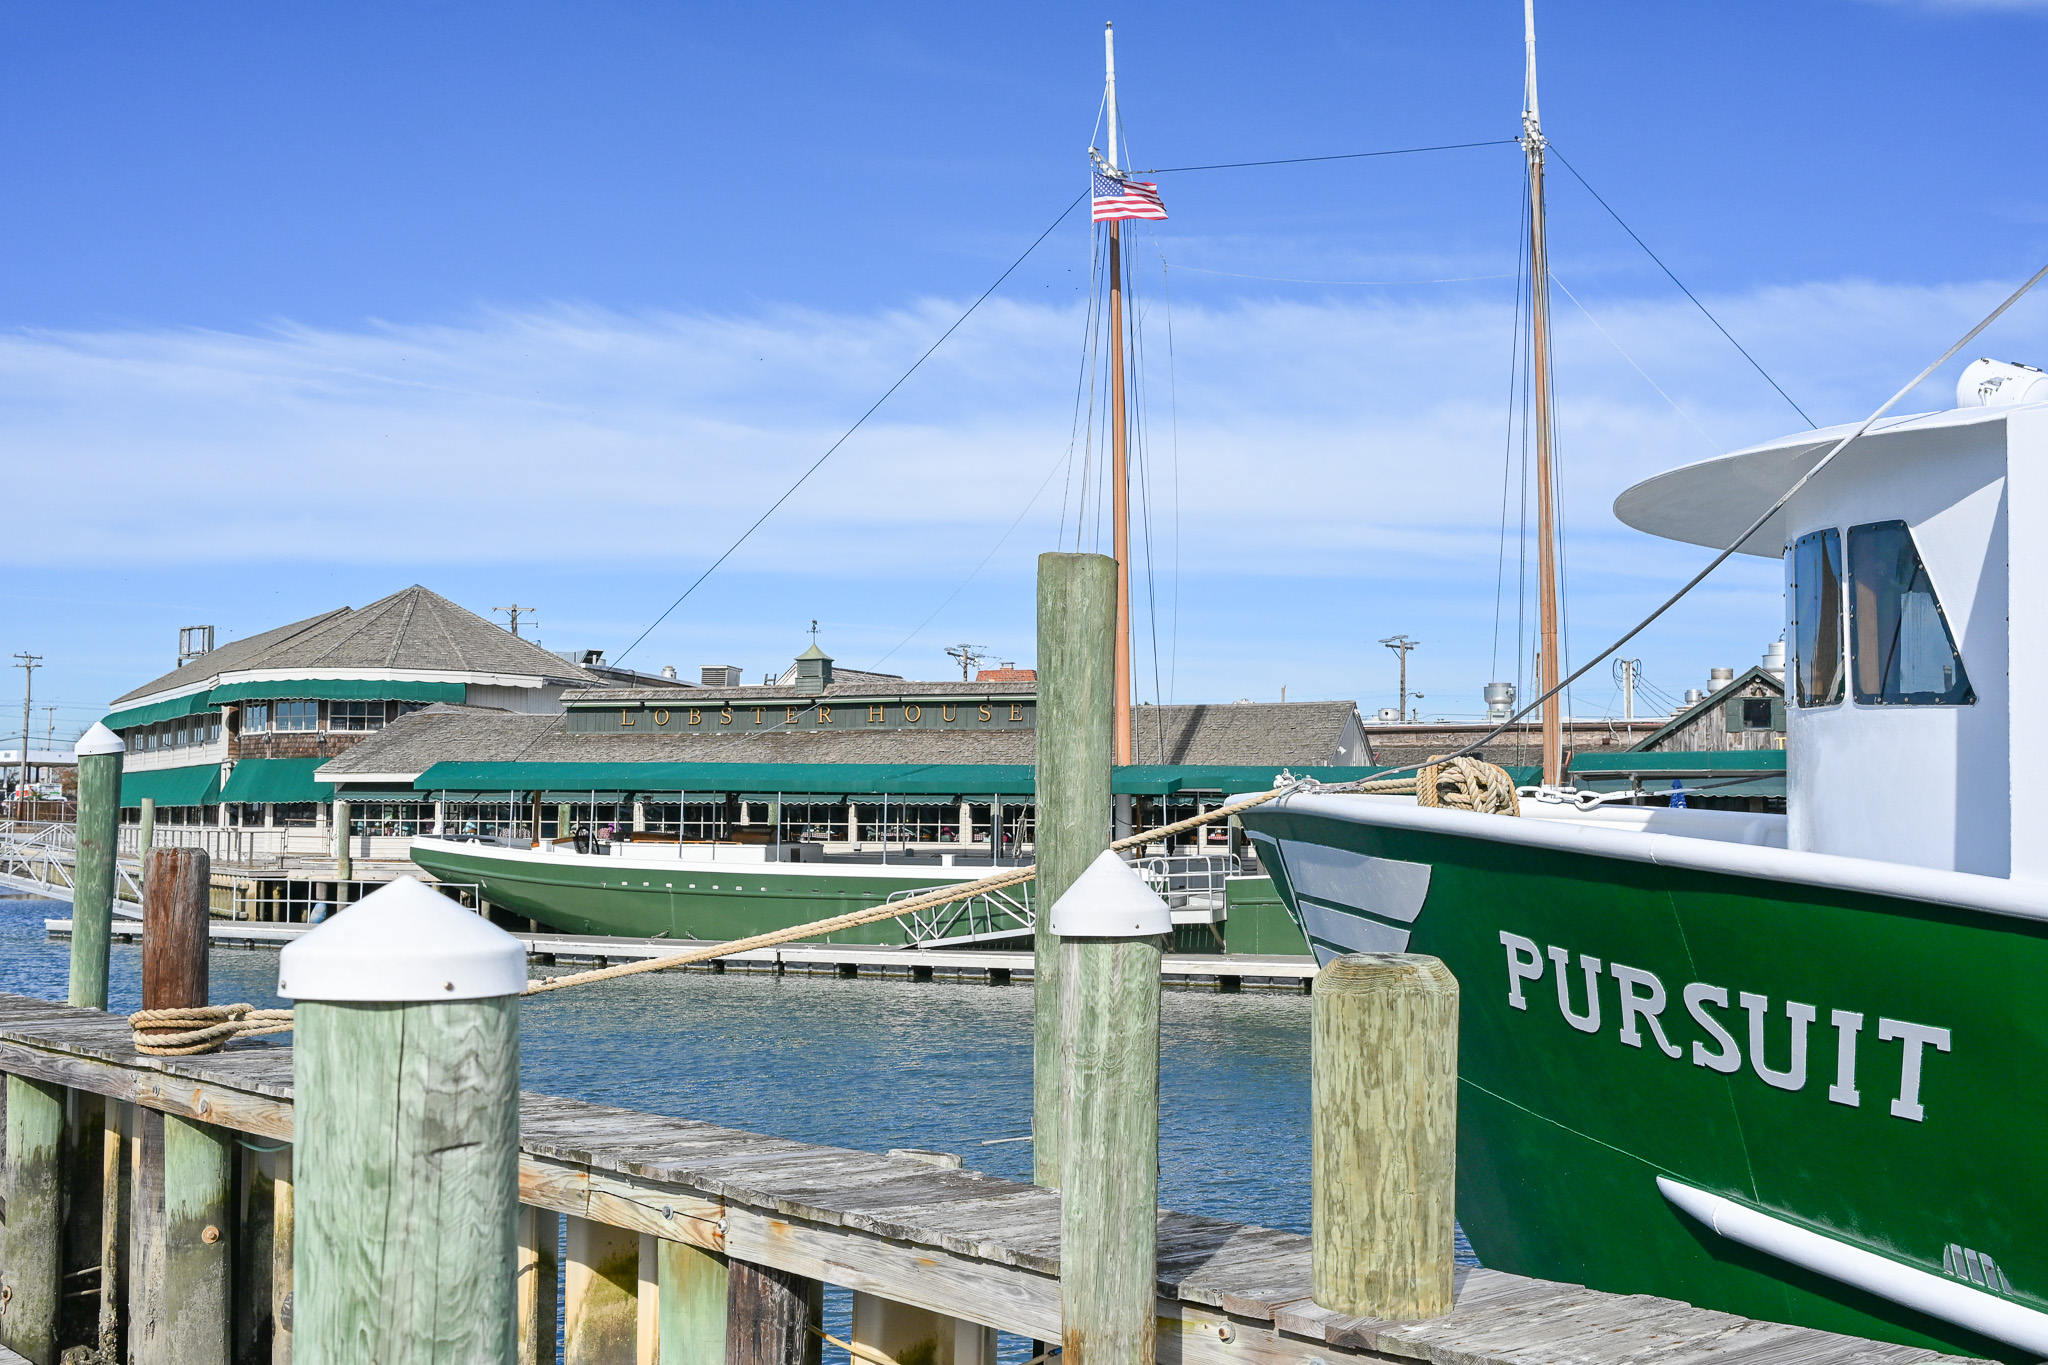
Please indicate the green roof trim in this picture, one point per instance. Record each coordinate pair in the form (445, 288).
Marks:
(341, 689)
(276, 779)
(159, 710)
(1674, 762)
(198, 785)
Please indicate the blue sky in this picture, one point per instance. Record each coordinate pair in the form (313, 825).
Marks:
(545, 303)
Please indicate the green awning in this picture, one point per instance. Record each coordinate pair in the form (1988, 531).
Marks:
(198, 785)
(1165, 779)
(159, 710)
(342, 689)
(276, 779)
(1680, 762)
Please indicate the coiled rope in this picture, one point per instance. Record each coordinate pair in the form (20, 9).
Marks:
(1458, 784)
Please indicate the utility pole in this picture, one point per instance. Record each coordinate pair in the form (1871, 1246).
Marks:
(515, 611)
(1401, 644)
(969, 656)
(49, 729)
(1628, 687)
(28, 665)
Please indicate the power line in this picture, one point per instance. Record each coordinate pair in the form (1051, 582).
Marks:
(789, 492)
(1681, 287)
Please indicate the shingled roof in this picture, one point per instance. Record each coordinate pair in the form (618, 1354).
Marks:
(410, 630)
(1257, 733)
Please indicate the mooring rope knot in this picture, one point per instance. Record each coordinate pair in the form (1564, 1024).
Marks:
(193, 1029)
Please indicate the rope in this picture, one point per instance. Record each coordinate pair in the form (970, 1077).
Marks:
(1457, 783)
(874, 1357)
(201, 1028)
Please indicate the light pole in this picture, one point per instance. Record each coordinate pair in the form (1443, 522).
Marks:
(27, 663)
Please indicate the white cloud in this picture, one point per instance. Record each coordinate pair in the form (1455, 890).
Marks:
(1355, 445)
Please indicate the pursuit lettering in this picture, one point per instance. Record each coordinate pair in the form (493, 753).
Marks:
(1729, 1058)
(1589, 1022)
(1793, 1077)
(1646, 1006)
(1847, 1025)
(1525, 963)
(1914, 1036)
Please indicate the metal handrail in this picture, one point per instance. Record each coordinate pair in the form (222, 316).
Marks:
(1006, 913)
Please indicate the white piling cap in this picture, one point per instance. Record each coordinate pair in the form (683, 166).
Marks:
(1110, 900)
(400, 944)
(99, 740)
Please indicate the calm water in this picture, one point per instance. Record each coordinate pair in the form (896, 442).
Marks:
(866, 1063)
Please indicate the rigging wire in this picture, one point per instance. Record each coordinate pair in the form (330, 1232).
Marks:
(1718, 446)
(1085, 378)
(1507, 457)
(1743, 538)
(817, 464)
(1681, 285)
(1282, 279)
(1339, 156)
(1173, 414)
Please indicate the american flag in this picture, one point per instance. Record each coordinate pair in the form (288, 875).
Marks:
(1114, 199)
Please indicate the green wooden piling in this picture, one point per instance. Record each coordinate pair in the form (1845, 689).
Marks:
(32, 1272)
(1076, 746)
(692, 1285)
(406, 1144)
(92, 876)
(145, 834)
(198, 1294)
(1384, 1104)
(1109, 924)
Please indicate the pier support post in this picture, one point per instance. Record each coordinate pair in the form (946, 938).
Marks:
(601, 1295)
(1384, 1101)
(904, 1332)
(1109, 923)
(406, 1155)
(32, 1271)
(145, 828)
(769, 1316)
(692, 1283)
(1076, 746)
(198, 1293)
(176, 886)
(100, 753)
(540, 1232)
(283, 1229)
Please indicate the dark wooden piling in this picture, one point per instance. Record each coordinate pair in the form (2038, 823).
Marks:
(770, 1315)
(175, 895)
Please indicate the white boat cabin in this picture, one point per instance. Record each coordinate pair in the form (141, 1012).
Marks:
(1916, 590)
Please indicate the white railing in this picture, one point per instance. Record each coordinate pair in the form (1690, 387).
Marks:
(973, 919)
(1193, 881)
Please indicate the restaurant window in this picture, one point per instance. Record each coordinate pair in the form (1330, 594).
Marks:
(355, 715)
(295, 715)
(1901, 650)
(297, 814)
(1814, 596)
(255, 717)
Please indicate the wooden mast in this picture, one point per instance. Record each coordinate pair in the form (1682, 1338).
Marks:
(1119, 475)
(1548, 655)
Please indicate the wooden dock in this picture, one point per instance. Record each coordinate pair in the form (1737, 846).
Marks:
(1217, 971)
(950, 1241)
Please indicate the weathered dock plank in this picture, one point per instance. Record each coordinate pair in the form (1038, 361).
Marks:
(953, 1241)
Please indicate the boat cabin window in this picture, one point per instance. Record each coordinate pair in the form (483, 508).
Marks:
(1902, 651)
(1815, 595)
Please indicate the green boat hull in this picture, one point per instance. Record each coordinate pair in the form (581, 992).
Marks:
(646, 898)
(1564, 1128)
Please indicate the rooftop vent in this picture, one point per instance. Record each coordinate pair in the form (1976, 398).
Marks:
(589, 657)
(813, 672)
(1774, 660)
(1991, 383)
(1718, 678)
(668, 670)
(719, 675)
(1500, 701)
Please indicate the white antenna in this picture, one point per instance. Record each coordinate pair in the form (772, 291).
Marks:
(1109, 66)
(1532, 122)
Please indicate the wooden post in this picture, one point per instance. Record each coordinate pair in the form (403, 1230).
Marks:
(282, 1227)
(600, 1295)
(175, 890)
(406, 1155)
(769, 1316)
(147, 1322)
(83, 1161)
(693, 1290)
(1076, 746)
(1109, 923)
(93, 875)
(540, 1269)
(198, 1294)
(344, 864)
(906, 1333)
(1384, 1103)
(256, 1251)
(145, 833)
(31, 1275)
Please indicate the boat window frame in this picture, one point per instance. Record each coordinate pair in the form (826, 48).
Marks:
(1829, 539)
(1967, 695)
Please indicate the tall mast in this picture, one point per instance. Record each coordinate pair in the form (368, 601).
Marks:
(1548, 655)
(1119, 475)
